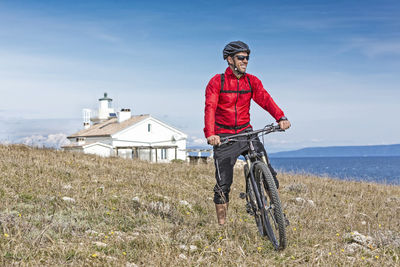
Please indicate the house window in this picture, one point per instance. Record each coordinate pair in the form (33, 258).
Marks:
(149, 127)
(164, 153)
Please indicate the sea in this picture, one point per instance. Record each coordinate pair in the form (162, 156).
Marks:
(385, 170)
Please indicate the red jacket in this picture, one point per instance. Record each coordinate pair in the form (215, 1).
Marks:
(228, 110)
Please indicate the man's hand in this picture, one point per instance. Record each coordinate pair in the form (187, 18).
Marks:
(284, 124)
(213, 140)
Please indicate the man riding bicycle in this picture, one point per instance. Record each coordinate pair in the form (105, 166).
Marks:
(227, 111)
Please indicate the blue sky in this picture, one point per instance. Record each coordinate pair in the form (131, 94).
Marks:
(333, 67)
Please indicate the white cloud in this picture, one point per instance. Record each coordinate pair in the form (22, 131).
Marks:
(374, 48)
(107, 37)
(196, 141)
(387, 48)
(51, 141)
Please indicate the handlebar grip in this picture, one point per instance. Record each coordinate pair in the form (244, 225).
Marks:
(277, 128)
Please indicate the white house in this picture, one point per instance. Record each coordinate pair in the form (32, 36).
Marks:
(121, 134)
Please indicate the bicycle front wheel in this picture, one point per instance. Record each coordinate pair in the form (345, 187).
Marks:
(272, 214)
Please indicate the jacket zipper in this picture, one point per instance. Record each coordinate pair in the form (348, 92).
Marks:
(237, 97)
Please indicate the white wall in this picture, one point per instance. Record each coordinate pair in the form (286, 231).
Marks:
(181, 149)
(98, 150)
(159, 135)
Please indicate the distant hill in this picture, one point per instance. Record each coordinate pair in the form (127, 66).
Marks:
(342, 151)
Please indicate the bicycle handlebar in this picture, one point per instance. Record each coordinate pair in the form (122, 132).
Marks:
(266, 130)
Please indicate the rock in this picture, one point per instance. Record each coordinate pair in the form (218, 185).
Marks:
(356, 237)
(136, 199)
(388, 238)
(363, 223)
(183, 247)
(193, 248)
(182, 256)
(296, 187)
(302, 201)
(311, 203)
(185, 203)
(160, 206)
(352, 248)
(100, 244)
(68, 199)
(130, 264)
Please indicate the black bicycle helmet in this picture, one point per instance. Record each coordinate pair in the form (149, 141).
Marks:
(235, 47)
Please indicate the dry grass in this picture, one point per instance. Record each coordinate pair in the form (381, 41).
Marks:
(129, 212)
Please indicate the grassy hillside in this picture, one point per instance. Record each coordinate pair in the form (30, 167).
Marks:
(64, 208)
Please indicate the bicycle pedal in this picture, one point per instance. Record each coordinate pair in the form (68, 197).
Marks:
(249, 209)
(242, 195)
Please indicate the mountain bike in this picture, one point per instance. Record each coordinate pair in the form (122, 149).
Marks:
(262, 198)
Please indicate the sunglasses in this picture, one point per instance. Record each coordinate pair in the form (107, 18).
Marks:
(241, 58)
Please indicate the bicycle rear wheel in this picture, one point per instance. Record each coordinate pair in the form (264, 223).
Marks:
(251, 205)
(272, 214)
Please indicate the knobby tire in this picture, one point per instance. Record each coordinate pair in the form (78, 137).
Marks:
(272, 219)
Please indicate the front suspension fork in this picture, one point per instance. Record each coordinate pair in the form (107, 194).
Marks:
(254, 183)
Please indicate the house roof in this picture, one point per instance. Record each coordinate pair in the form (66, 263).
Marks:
(109, 127)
